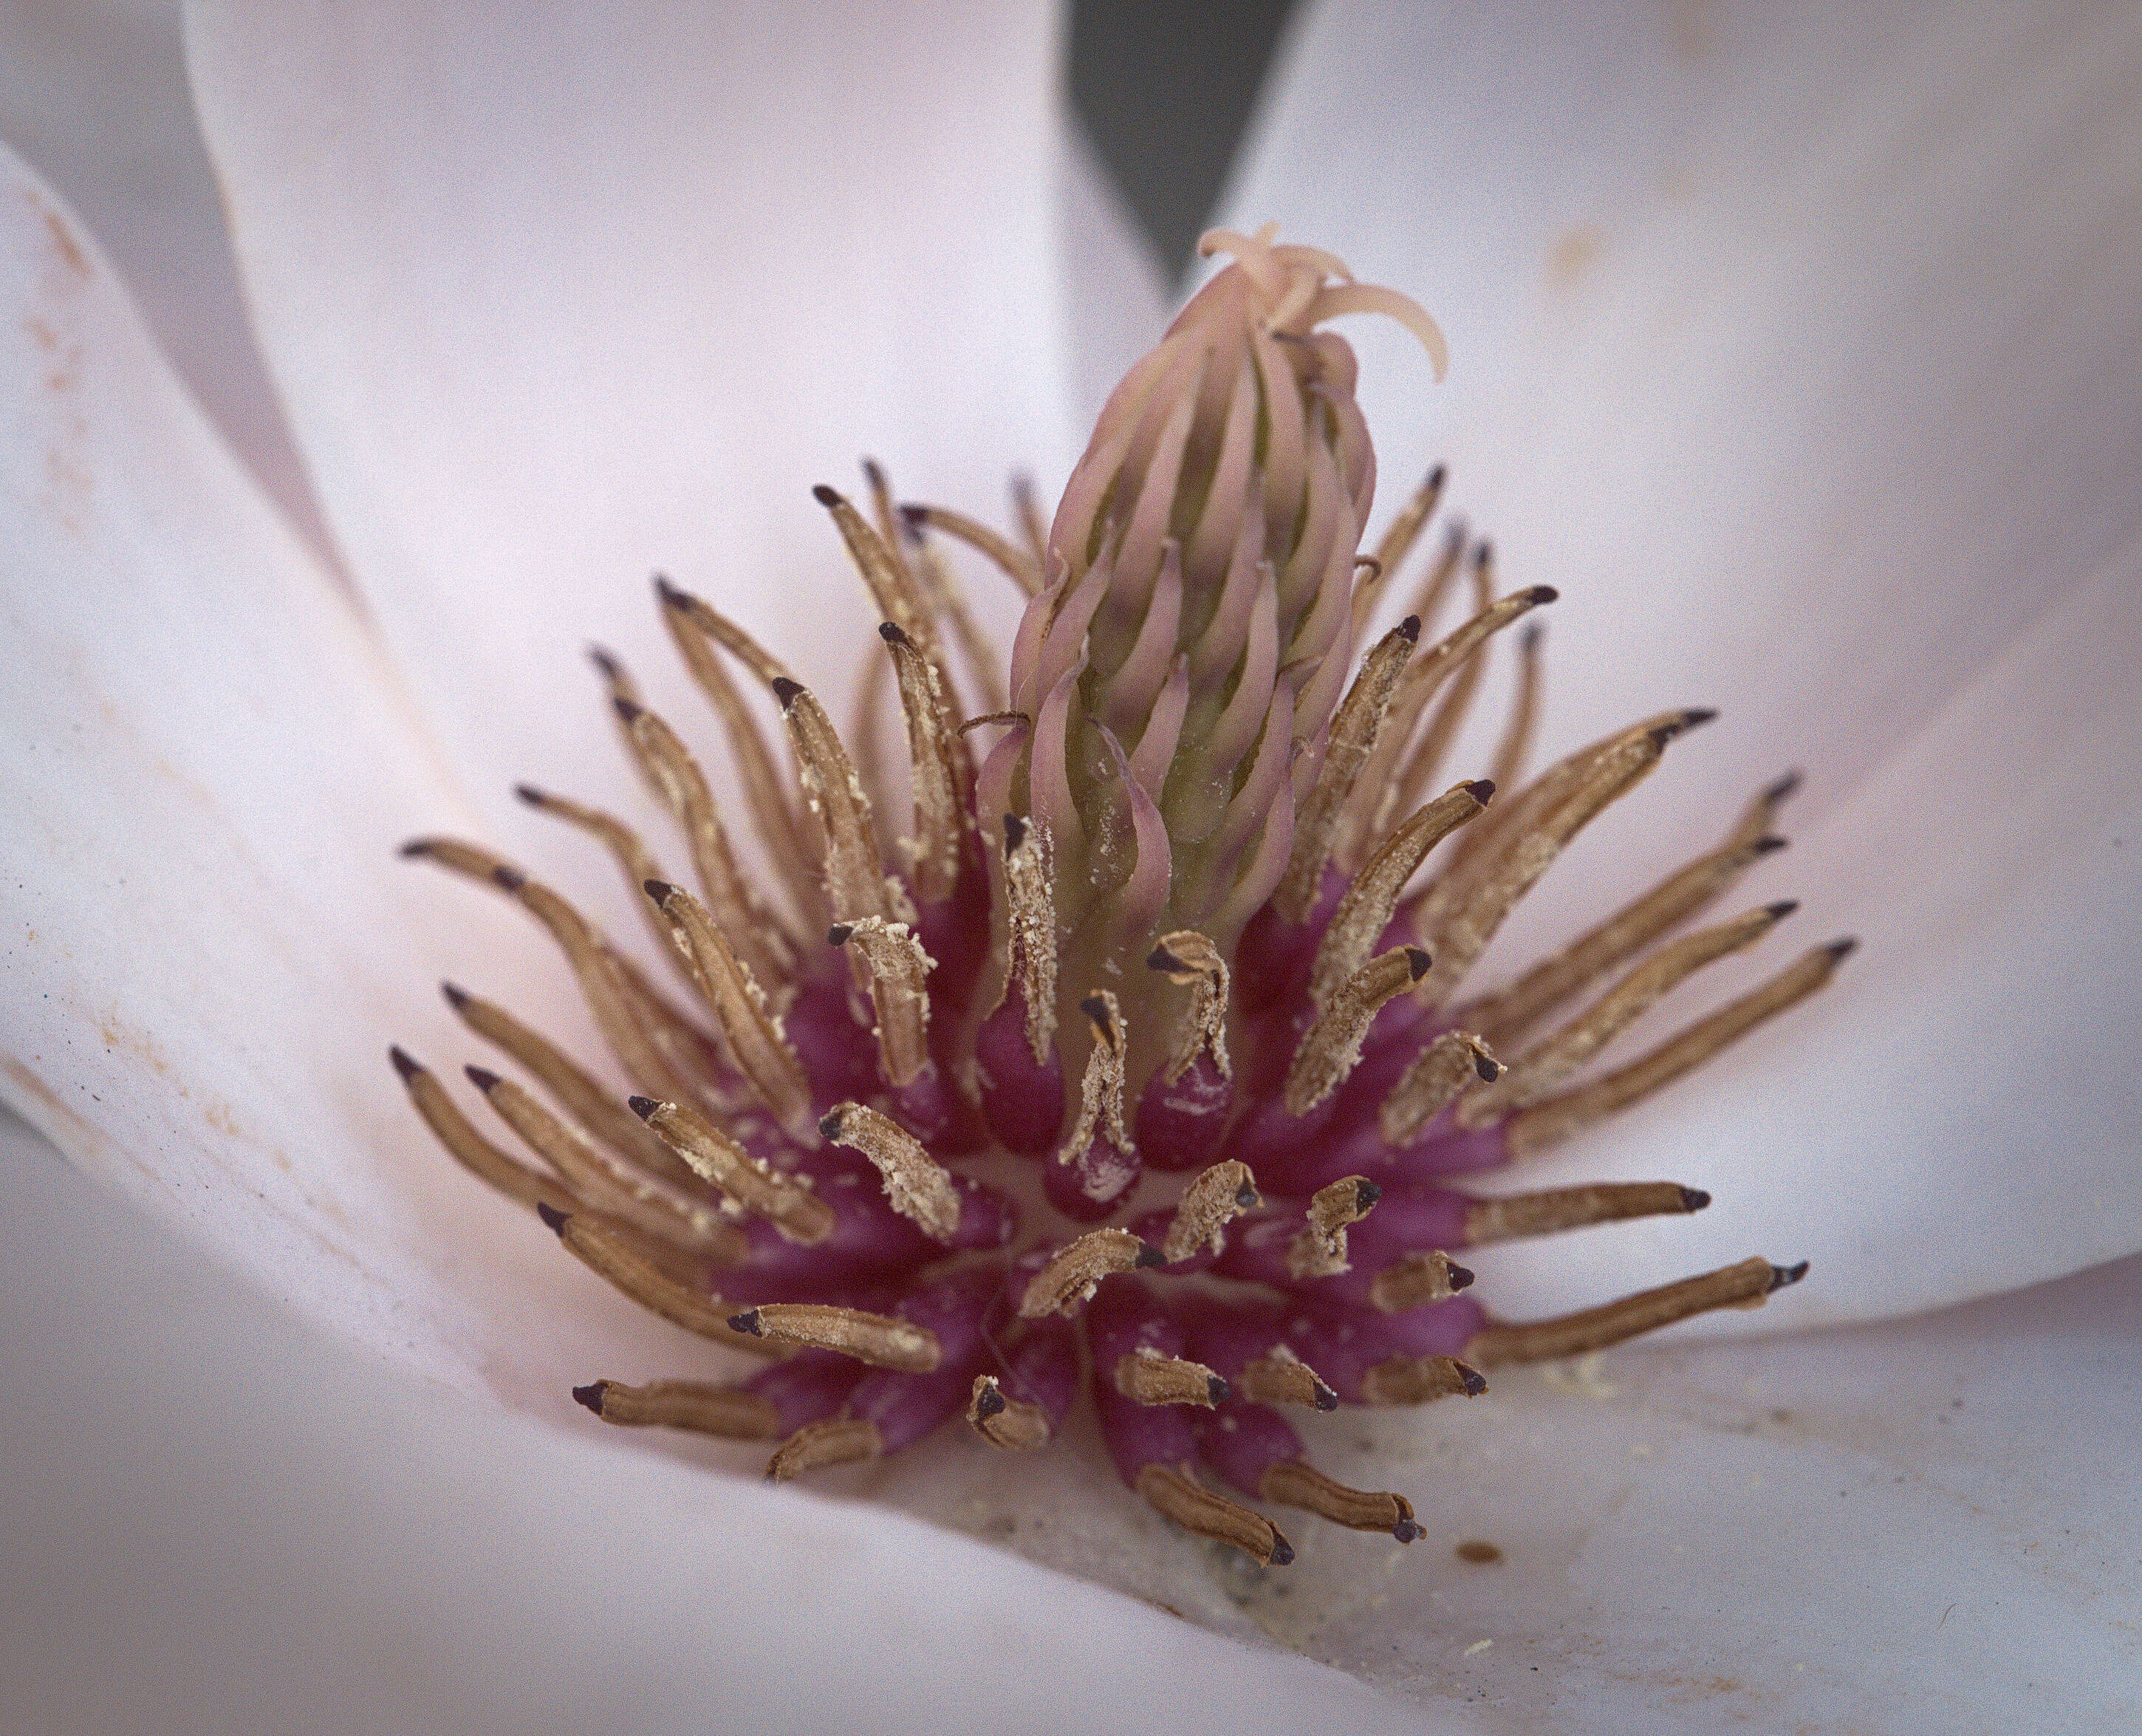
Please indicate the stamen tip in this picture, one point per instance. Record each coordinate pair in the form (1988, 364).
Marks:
(890, 633)
(658, 890)
(826, 496)
(416, 847)
(1766, 846)
(786, 690)
(1694, 1200)
(643, 1106)
(1782, 1277)
(628, 711)
(1783, 788)
(1528, 641)
(1484, 553)
(1697, 716)
(1015, 831)
(555, 1219)
(1282, 1552)
(530, 794)
(1324, 1397)
(1783, 909)
(511, 878)
(840, 934)
(1460, 1278)
(1475, 1382)
(747, 1323)
(1482, 790)
(1406, 1531)
(482, 1078)
(1417, 962)
(1246, 1196)
(457, 997)
(406, 1064)
(591, 1395)
(1486, 1067)
(1540, 594)
(830, 1124)
(603, 660)
(672, 594)
(990, 1402)
(1148, 1256)
(1366, 1193)
(1217, 1390)
(1410, 630)
(1843, 948)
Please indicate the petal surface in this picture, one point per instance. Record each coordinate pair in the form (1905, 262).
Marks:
(210, 943)
(1800, 350)
(617, 300)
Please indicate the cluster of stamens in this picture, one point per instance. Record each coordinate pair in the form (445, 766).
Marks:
(1161, 899)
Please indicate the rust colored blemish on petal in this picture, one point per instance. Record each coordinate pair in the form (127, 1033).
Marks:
(63, 241)
(1574, 257)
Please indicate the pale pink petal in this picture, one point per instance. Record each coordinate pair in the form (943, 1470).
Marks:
(1803, 351)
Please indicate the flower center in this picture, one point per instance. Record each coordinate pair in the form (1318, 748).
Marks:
(1154, 956)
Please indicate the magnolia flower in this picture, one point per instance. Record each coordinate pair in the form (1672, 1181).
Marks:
(540, 335)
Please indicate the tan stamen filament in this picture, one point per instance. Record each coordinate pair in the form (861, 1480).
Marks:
(1510, 1216)
(1542, 1069)
(1147, 1377)
(1319, 1250)
(1396, 543)
(729, 1412)
(605, 1182)
(1508, 1012)
(1214, 1196)
(1366, 908)
(854, 874)
(1332, 1045)
(1175, 1495)
(916, 1185)
(1014, 562)
(619, 1260)
(880, 1340)
(817, 1446)
(1544, 1125)
(1101, 1092)
(1012, 1424)
(453, 1129)
(1511, 751)
(1072, 1275)
(1280, 1377)
(898, 970)
(1410, 1380)
(1414, 1280)
(756, 1042)
(1030, 891)
(938, 766)
(1297, 1483)
(891, 586)
(1426, 755)
(1746, 1285)
(1190, 959)
(798, 1213)
(1435, 1076)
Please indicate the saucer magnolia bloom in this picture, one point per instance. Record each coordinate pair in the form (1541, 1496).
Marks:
(1796, 355)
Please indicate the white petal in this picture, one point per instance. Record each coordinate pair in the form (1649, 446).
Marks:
(93, 95)
(210, 943)
(1803, 352)
(618, 302)
(232, 1516)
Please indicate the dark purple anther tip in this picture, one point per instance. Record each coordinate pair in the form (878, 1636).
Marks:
(1161, 959)
(1697, 716)
(1366, 1193)
(1327, 1399)
(591, 1396)
(1483, 552)
(1842, 948)
(556, 1220)
(457, 998)
(840, 934)
(747, 1323)
(1246, 1196)
(406, 1064)
(990, 1402)
(1014, 833)
(643, 1106)
(482, 1078)
(530, 794)
(1476, 1383)
(826, 496)
(1417, 962)
(1217, 1390)
(628, 711)
(829, 1126)
(657, 890)
(786, 690)
(1783, 909)
(1148, 1256)
(1486, 1066)
(1543, 593)
(1460, 1279)
(1694, 1200)
(417, 847)
(1282, 1555)
(1783, 788)
(1781, 1276)
(1406, 1531)
(603, 660)
(890, 632)
(1765, 846)
(1410, 630)
(512, 878)
(1482, 790)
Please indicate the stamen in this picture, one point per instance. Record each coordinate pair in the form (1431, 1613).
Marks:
(1457, 924)
(732, 1414)
(891, 588)
(938, 762)
(917, 1186)
(1544, 1068)
(1534, 1130)
(881, 1340)
(1202, 1215)
(1332, 1044)
(1010, 1423)
(1426, 756)
(1280, 1377)
(669, 766)
(799, 1214)
(1508, 1216)
(625, 845)
(585, 1100)
(837, 1440)
(1174, 1495)
(1146, 1376)
(1023, 569)
(1396, 543)
(1421, 1380)
(1416, 1279)
(606, 1182)
(1688, 890)
(617, 1257)
(1101, 1092)
(899, 972)
(1319, 1251)
(1435, 583)
(1354, 731)
(1190, 959)
(1508, 764)
(1747, 1285)
(471, 1149)
(1033, 522)
(1297, 1483)
(1437, 1074)
(854, 876)
(1366, 908)
(1030, 891)
(755, 1042)
(1075, 1270)
(696, 628)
